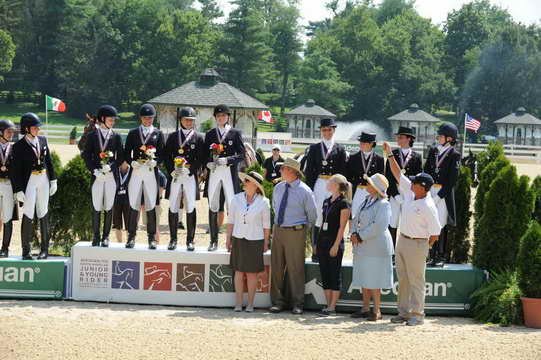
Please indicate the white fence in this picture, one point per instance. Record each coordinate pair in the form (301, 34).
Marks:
(63, 131)
(527, 153)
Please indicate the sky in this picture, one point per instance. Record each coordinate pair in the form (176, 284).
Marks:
(525, 11)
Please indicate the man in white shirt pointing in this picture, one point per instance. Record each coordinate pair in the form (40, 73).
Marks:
(419, 230)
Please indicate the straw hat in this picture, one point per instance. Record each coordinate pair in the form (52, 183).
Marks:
(254, 177)
(293, 164)
(379, 182)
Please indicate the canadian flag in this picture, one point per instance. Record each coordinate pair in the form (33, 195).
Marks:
(266, 116)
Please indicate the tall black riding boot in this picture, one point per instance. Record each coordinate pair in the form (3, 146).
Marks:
(8, 230)
(213, 228)
(151, 229)
(44, 230)
(191, 223)
(26, 237)
(315, 234)
(96, 219)
(441, 246)
(132, 228)
(173, 230)
(107, 223)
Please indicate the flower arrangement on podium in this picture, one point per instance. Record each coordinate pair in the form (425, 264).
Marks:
(148, 153)
(105, 157)
(217, 149)
(181, 167)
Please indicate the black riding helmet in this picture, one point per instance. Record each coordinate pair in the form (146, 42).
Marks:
(28, 120)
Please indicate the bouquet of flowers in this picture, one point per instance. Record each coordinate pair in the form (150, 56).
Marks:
(216, 149)
(180, 162)
(105, 156)
(149, 153)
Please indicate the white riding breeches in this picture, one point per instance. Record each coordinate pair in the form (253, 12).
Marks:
(143, 183)
(6, 201)
(182, 186)
(36, 196)
(440, 205)
(220, 178)
(103, 193)
(320, 194)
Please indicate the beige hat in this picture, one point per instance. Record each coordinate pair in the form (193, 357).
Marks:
(379, 182)
(254, 177)
(293, 164)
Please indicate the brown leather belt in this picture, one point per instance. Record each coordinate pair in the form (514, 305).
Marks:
(38, 172)
(411, 238)
(294, 227)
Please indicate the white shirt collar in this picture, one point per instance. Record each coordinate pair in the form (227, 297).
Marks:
(442, 149)
(4, 145)
(104, 131)
(328, 143)
(405, 151)
(367, 154)
(222, 130)
(33, 140)
(186, 131)
(147, 130)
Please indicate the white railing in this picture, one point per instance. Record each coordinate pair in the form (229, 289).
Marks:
(517, 152)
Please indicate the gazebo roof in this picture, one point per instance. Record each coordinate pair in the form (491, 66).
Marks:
(519, 117)
(208, 92)
(310, 109)
(414, 113)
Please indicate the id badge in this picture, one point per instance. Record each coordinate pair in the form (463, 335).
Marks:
(325, 226)
(122, 192)
(273, 174)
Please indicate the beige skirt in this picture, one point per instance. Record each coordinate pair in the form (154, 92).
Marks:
(247, 255)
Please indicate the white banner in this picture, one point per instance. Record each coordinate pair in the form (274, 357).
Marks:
(266, 140)
(161, 276)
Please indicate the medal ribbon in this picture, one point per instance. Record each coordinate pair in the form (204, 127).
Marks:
(220, 137)
(324, 153)
(404, 161)
(103, 141)
(443, 156)
(4, 155)
(365, 165)
(144, 139)
(188, 137)
(34, 148)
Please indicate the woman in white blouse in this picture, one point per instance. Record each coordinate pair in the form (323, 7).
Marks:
(248, 232)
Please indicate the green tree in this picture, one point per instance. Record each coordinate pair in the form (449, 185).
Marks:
(508, 205)
(7, 52)
(469, 28)
(246, 54)
(286, 46)
(536, 188)
(389, 9)
(529, 262)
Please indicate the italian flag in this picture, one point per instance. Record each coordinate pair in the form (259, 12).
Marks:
(55, 104)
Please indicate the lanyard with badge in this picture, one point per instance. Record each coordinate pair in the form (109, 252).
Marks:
(248, 206)
(367, 204)
(122, 181)
(274, 171)
(326, 211)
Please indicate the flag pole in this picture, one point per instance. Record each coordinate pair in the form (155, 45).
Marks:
(46, 119)
(464, 142)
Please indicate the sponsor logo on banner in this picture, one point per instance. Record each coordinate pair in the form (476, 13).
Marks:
(94, 273)
(125, 275)
(15, 274)
(190, 277)
(157, 276)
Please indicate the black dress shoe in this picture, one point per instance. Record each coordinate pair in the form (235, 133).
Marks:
(43, 255)
(213, 246)
(296, 310)
(190, 246)
(130, 244)
(315, 259)
(3, 253)
(28, 257)
(172, 245)
(152, 244)
(105, 242)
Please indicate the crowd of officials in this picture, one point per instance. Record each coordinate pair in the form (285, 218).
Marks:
(391, 206)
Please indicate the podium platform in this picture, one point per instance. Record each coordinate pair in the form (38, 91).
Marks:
(33, 279)
(448, 289)
(160, 276)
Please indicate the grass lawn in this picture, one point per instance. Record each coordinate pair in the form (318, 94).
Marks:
(13, 112)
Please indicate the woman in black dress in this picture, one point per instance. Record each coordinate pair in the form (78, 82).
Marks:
(330, 242)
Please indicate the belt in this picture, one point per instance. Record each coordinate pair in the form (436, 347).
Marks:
(362, 186)
(411, 238)
(4, 180)
(437, 185)
(325, 177)
(38, 172)
(293, 227)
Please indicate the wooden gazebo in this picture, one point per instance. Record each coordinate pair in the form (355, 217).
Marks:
(519, 128)
(422, 123)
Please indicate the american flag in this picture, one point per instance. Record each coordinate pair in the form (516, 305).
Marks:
(472, 124)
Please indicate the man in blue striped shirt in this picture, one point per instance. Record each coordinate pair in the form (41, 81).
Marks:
(295, 211)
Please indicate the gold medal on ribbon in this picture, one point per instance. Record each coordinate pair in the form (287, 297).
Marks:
(181, 151)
